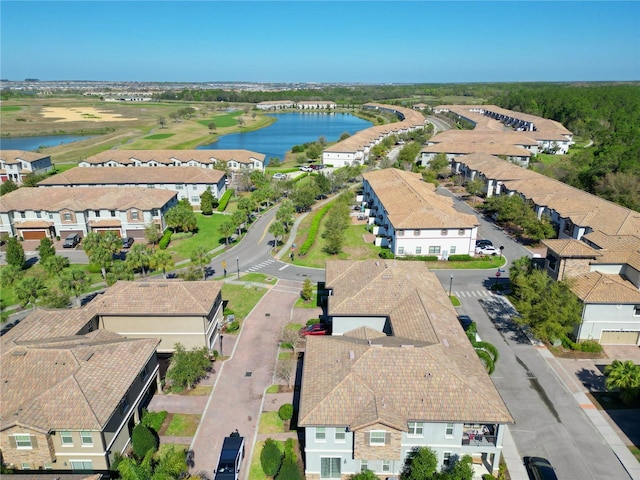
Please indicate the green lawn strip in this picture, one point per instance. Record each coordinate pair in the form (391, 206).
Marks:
(255, 471)
(454, 300)
(183, 425)
(199, 390)
(313, 303)
(293, 326)
(270, 422)
(8, 294)
(636, 451)
(284, 355)
(258, 278)
(10, 108)
(480, 263)
(242, 299)
(207, 237)
(159, 136)
(273, 389)
(221, 121)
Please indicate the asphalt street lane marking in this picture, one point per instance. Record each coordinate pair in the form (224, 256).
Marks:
(282, 268)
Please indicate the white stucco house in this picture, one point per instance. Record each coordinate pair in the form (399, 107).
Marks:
(16, 164)
(411, 219)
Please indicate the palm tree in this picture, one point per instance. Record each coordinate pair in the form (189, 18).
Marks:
(162, 259)
(73, 282)
(225, 229)
(625, 377)
(28, 290)
(139, 257)
(277, 229)
(200, 256)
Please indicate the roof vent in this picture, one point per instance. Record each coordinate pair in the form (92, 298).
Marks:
(352, 355)
(19, 353)
(87, 356)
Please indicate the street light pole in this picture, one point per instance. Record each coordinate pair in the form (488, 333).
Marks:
(450, 283)
(238, 267)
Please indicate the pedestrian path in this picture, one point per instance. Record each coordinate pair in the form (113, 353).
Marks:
(260, 265)
(474, 293)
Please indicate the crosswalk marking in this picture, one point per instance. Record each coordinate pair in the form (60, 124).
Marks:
(260, 265)
(474, 293)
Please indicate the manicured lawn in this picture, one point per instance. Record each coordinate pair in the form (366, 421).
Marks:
(313, 303)
(270, 422)
(227, 120)
(255, 471)
(242, 299)
(284, 355)
(273, 389)
(199, 390)
(258, 278)
(159, 136)
(183, 425)
(481, 262)
(10, 108)
(207, 237)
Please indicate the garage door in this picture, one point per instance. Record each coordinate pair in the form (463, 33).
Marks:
(115, 232)
(609, 337)
(137, 234)
(33, 234)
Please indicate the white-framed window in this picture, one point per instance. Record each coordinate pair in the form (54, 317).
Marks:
(386, 465)
(96, 213)
(636, 311)
(321, 434)
(23, 440)
(446, 458)
(145, 373)
(377, 437)
(400, 250)
(23, 215)
(416, 233)
(81, 465)
(340, 435)
(461, 231)
(416, 428)
(330, 467)
(364, 465)
(553, 262)
(444, 232)
(113, 213)
(452, 249)
(418, 250)
(86, 438)
(38, 214)
(134, 215)
(179, 186)
(66, 439)
(449, 430)
(67, 217)
(151, 185)
(434, 250)
(48, 466)
(195, 199)
(51, 216)
(124, 405)
(26, 466)
(401, 233)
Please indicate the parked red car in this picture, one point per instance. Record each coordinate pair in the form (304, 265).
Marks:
(315, 329)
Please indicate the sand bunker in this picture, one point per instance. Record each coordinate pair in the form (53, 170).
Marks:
(84, 114)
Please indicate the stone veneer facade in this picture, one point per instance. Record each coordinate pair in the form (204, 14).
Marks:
(391, 450)
(40, 454)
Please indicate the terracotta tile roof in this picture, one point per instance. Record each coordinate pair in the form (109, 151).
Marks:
(81, 199)
(432, 374)
(570, 248)
(134, 175)
(33, 224)
(582, 208)
(483, 136)
(166, 156)
(597, 287)
(158, 298)
(13, 156)
(464, 148)
(613, 242)
(107, 222)
(74, 382)
(411, 203)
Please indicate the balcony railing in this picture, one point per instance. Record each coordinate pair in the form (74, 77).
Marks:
(478, 436)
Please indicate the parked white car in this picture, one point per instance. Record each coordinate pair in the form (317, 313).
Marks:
(279, 176)
(487, 250)
(306, 168)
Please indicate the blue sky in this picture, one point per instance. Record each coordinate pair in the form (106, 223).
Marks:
(321, 41)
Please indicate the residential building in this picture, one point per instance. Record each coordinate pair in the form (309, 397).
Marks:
(604, 272)
(189, 313)
(355, 149)
(315, 105)
(397, 373)
(410, 218)
(35, 213)
(16, 164)
(276, 105)
(71, 394)
(232, 160)
(189, 182)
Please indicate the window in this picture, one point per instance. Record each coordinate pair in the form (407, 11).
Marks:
(553, 262)
(446, 458)
(401, 233)
(67, 217)
(26, 466)
(124, 405)
(96, 213)
(134, 215)
(444, 232)
(452, 249)
(434, 250)
(415, 428)
(81, 465)
(113, 213)
(48, 466)
(416, 233)
(23, 215)
(330, 467)
(377, 438)
(145, 373)
(461, 231)
(418, 250)
(66, 439)
(340, 435)
(179, 186)
(195, 199)
(321, 434)
(151, 185)
(23, 441)
(51, 216)
(386, 465)
(38, 214)
(400, 250)
(449, 431)
(636, 311)
(155, 212)
(364, 465)
(87, 439)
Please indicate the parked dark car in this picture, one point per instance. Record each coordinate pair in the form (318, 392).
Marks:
(540, 468)
(71, 241)
(315, 329)
(127, 242)
(230, 458)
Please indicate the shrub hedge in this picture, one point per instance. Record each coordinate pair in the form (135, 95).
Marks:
(153, 420)
(164, 241)
(313, 230)
(224, 200)
(463, 257)
(143, 440)
(285, 412)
